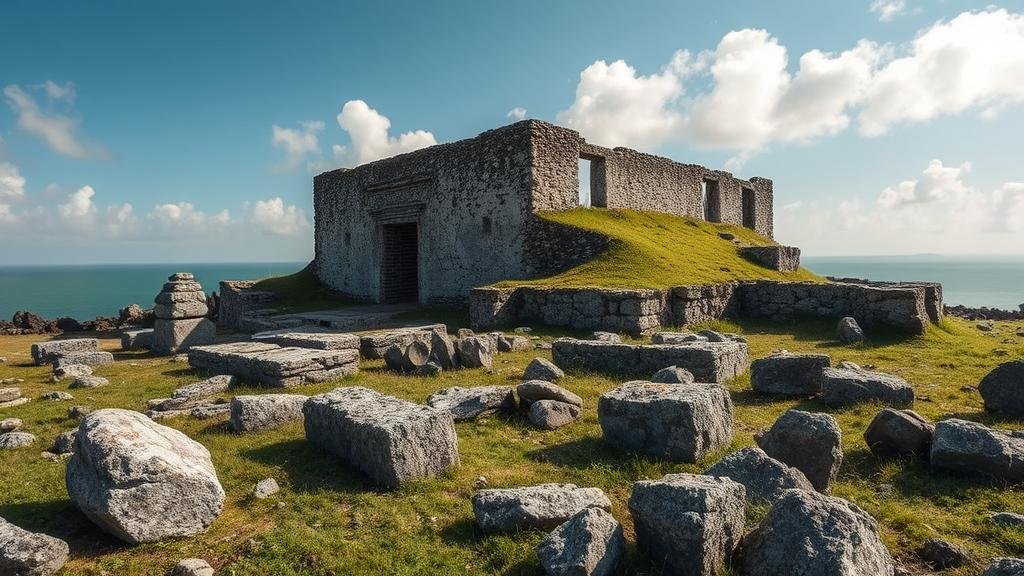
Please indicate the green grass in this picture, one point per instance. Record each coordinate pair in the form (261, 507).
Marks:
(333, 521)
(301, 292)
(654, 250)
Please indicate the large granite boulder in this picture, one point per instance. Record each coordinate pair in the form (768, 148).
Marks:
(1003, 389)
(389, 439)
(975, 449)
(265, 411)
(688, 524)
(532, 391)
(810, 533)
(591, 543)
(680, 423)
(540, 507)
(468, 403)
(542, 369)
(845, 387)
(894, 433)
(810, 442)
(789, 374)
(765, 478)
(24, 553)
(141, 481)
(475, 352)
(1005, 567)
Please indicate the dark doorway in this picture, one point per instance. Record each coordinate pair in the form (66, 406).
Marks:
(711, 199)
(749, 202)
(399, 270)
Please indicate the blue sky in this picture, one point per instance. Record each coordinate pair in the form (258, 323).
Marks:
(145, 132)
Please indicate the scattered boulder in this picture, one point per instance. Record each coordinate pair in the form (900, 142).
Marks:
(514, 343)
(92, 358)
(1007, 519)
(680, 423)
(845, 387)
(49, 351)
(265, 411)
(942, 554)
(551, 414)
(192, 567)
(1005, 567)
(606, 337)
(765, 478)
(542, 369)
(89, 382)
(974, 449)
(468, 403)
(591, 543)
(673, 375)
(265, 488)
(430, 369)
(810, 442)
(68, 324)
(10, 424)
(475, 352)
(71, 371)
(688, 523)
(810, 533)
(141, 481)
(15, 440)
(24, 553)
(8, 394)
(1002, 389)
(58, 395)
(412, 357)
(541, 507)
(789, 374)
(894, 433)
(531, 391)
(442, 349)
(389, 439)
(65, 442)
(79, 412)
(849, 331)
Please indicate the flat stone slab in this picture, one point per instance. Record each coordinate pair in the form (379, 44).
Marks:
(974, 449)
(389, 439)
(468, 403)
(680, 423)
(374, 344)
(540, 507)
(845, 387)
(47, 352)
(92, 359)
(317, 340)
(707, 361)
(789, 374)
(272, 365)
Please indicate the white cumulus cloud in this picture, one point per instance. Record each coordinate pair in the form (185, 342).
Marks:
(368, 131)
(12, 183)
(58, 131)
(518, 113)
(297, 143)
(274, 218)
(887, 10)
(183, 218)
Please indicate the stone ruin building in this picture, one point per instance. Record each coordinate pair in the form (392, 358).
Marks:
(429, 226)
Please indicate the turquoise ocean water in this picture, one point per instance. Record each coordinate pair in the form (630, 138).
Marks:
(84, 292)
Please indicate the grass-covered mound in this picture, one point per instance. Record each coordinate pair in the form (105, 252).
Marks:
(333, 521)
(655, 250)
(301, 292)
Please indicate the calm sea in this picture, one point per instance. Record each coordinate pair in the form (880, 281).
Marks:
(84, 292)
(993, 281)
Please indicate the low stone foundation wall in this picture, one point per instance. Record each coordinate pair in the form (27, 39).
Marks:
(708, 361)
(238, 298)
(907, 308)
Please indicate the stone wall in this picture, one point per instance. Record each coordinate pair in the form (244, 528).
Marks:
(551, 248)
(904, 308)
(237, 298)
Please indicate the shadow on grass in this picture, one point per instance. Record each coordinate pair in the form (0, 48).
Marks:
(589, 452)
(310, 469)
(186, 371)
(823, 332)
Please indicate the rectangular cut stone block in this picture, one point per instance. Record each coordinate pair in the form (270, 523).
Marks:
(781, 258)
(46, 352)
(137, 340)
(373, 345)
(178, 310)
(317, 340)
(89, 358)
(389, 439)
(272, 365)
(170, 336)
(707, 361)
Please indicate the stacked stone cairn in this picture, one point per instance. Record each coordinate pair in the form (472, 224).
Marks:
(180, 313)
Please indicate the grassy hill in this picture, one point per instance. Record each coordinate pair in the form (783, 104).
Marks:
(654, 250)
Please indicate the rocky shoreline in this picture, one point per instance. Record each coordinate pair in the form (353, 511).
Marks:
(131, 316)
(984, 313)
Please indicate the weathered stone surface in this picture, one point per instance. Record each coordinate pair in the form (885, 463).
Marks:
(502, 342)
(269, 364)
(265, 488)
(15, 402)
(15, 440)
(893, 433)
(78, 412)
(442, 349)
(810, 533)
(468, 403)
(681, 423)
(1005, 567)
(534, 390)
(388, 439)
(551, 414)
(974, 449)
(688, 524)
(10, 424)
(89, 382)
(374, 345)
(208, 387)
(844, 387)
(942, 554)
(209, 410)
(137, 339)
(90, 358)
(172, 336)
(676, 338)
(142, 481)
(8, 394)
(765, 478)
(809, 442)
(849, 331)
(673, 375)
(781, 258)
(606, 336)
(302, 338)
(24, 553)
(192, 567)
(265, 411)
(65, 442)
(475, 352)
(542, 369)
(58, 395)
(707, 361)
(180, 310)
(47, 352)
(1002, 389)
(71, 371)
(591, 543)
(541, 507)
(789, 374)
(1007, 519)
